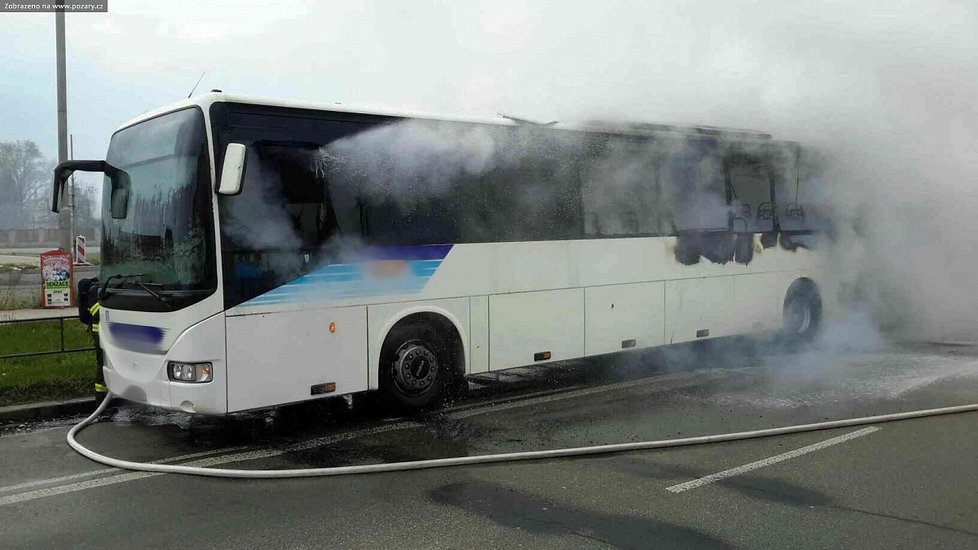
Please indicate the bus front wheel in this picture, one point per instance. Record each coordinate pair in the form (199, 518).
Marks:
(415, 368)
(802, 312)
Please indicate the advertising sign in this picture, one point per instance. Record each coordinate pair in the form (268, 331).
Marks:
(57, 279)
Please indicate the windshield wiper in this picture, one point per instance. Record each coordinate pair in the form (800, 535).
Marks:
(122, 280)
(165, 299)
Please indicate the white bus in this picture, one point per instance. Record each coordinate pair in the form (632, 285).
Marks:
(259, 252)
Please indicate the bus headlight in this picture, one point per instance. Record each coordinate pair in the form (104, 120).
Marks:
(196, 373)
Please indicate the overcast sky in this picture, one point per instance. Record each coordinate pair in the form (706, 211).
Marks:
(736, 63)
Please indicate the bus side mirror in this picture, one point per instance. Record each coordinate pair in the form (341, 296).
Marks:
(119, 179)
(66, 168)
(233, 171)
(61, 173)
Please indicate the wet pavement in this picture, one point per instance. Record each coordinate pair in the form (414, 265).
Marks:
(906, 484)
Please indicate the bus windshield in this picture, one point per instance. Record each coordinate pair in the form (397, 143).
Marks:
(166, 236)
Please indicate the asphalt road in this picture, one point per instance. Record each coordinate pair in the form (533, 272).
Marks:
(906, 484)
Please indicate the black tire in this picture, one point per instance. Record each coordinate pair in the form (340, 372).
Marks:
(802, 313)
(416, 368)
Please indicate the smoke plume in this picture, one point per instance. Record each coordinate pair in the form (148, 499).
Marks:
(883, 95)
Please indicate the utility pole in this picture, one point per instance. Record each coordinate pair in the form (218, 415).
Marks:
(64, 218)
(71, 187)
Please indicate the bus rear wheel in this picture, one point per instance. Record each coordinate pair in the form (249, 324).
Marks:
(802, 312)
(415, 368)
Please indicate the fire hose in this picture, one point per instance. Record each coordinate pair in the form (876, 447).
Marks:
(486, 459)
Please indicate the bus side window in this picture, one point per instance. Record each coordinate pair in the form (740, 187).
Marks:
(257, 232)
(457, 213)
(275, 229)
(749, 191)
(257, 219)
(535, 195)
(421, 193)
(795, 185)
(304, 187)
(692, 189)
(619, 188)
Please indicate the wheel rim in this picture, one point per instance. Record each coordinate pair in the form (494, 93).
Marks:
(799, 316)
(415, 368)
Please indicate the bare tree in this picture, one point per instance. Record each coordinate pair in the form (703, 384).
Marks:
(87, 197)
(23, 173)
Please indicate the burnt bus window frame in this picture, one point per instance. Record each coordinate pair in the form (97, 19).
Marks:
(811, 222)
(732, 160)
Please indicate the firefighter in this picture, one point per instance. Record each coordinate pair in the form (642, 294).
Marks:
(88, 313)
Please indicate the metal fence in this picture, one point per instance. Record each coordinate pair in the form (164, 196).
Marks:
(61, 332)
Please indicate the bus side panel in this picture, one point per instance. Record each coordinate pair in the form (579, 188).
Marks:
(700, 308)
(525, 325)
(619, 261)
(619, 313)
(530, 266)
(758, 301)
(478, 335)
(276, 358)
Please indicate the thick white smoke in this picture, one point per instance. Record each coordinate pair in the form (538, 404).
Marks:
(886, 92)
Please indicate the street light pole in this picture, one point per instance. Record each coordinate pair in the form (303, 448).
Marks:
(64, 218)
(71, 187)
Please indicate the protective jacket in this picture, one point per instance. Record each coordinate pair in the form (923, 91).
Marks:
(88, 313)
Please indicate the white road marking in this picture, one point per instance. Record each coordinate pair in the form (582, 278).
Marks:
(71, 488)
(93, 473)
(203, 463)
(300, 446)
(706, 480)
(130, 476)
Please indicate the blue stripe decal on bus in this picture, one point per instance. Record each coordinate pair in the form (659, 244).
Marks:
(381, 271)
(407, 253)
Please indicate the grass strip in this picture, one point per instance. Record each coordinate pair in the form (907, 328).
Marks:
(46, 377)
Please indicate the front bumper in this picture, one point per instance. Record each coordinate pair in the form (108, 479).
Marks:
(142, 377)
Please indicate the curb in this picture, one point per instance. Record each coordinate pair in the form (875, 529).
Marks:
(46, 410)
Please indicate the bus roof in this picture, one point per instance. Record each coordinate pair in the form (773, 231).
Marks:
(204, 101)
